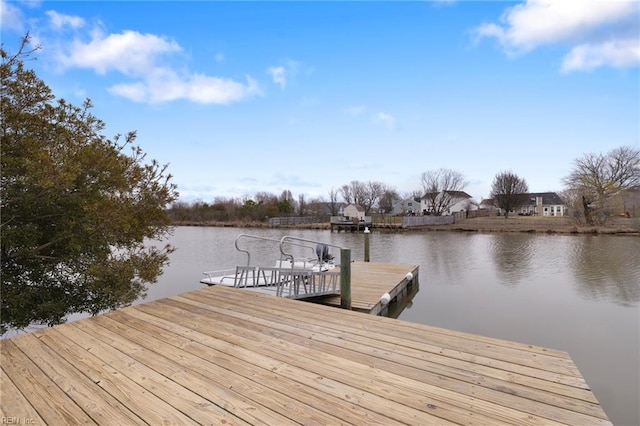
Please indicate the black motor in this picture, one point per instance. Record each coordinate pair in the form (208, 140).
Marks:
(322, 251)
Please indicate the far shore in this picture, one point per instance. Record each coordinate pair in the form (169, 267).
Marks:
(548, 225)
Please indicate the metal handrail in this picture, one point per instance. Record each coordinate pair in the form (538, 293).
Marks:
(254, 237)
(322, 281)
(288, 238)
(281, 241)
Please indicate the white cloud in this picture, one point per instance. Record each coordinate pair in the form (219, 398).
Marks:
(164, 85)
(59, 20)
(279, 76)
(619, 54)
(138, 56)
(386, 119)
(129, 52)
(11, 17)
(136, 92)
(538, 22)
(595, 26)
(205, 89)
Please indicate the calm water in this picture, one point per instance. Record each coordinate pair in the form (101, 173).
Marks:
(577, 293)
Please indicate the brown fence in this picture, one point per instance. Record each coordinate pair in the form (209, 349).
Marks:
(410, 221)
(296, 220)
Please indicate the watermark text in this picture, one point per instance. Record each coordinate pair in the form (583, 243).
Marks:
(17, 420)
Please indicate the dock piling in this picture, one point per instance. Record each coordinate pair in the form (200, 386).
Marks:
(366, 243)
(345, 278)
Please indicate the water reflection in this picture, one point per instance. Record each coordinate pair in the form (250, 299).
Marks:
(450, 257)
(512, 256)
(405, 302)
(607, 268)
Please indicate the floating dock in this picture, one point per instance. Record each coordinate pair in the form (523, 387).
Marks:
(224, 355)
(370, 281)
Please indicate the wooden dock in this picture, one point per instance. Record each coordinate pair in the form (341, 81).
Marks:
(224, 355)
(369, 281)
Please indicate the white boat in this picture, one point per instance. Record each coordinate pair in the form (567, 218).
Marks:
(288, 276)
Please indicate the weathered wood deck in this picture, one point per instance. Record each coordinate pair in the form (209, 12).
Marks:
(369, 281)
(221, 354)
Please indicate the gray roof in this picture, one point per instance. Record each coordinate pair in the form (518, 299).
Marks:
(454, 194)
(549, 198)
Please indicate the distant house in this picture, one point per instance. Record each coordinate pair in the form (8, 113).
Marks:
(407, 206)
(461, 202)
(539, 204)
(544, 204)
(354, 211)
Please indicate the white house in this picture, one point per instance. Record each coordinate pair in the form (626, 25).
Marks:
(353, 211)
(461, 201)
(539, 204)
(544, 204)
(407, 206)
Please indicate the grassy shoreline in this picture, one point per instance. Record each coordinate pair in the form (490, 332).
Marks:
(549, 225)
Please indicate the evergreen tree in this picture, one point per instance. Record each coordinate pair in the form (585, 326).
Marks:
(76, 208)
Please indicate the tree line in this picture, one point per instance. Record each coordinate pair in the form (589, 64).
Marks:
(593, 180)
(372, 196)
(265, 205)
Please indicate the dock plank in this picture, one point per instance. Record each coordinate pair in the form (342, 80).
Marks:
(226, 355)
(142, 390)
(242, 396)
(41, 392)
(374, 356)
(369, 281)
(98, 404)
(282, 357)
(399, 348)
(168, 387)
(339, 368)
(446, 411)
(14, 405)
(246, 364)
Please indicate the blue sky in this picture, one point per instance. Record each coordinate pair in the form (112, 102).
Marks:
(246, 97)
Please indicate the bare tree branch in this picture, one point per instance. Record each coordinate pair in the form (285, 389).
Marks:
(596, 177)
(509, 191)
(441, 187)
